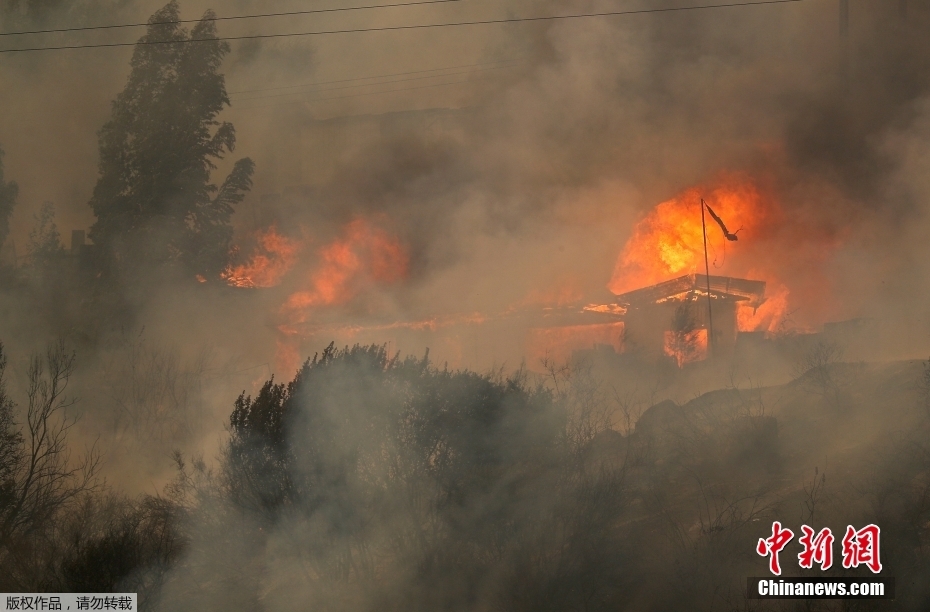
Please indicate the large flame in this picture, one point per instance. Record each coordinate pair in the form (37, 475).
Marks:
(669, 241)
(364, 256)
(273, 257)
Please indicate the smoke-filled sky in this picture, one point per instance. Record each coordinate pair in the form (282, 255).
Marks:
(509, 163)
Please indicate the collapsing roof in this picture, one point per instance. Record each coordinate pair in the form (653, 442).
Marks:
(750, 292)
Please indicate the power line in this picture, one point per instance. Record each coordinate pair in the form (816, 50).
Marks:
(258, 16)
(378, 76)
(408, 27)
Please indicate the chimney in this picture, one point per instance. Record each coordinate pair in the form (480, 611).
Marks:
(77, 241)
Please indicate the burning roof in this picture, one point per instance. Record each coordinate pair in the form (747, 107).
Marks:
(750, 292)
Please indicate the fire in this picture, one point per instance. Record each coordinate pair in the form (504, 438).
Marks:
(669, 241)
(364, 255)
(273, 258)
(770, 316)
(613, 309)
(780, 242)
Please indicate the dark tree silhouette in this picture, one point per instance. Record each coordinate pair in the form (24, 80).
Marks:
(463, 478)
(8, 193)
(40, 476)
(153, 200)
(45, 250)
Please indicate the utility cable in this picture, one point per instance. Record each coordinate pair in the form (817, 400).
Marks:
(258, 16)
(408, 27)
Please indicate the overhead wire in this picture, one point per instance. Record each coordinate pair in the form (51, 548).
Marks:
(229, 18)
(407, 27)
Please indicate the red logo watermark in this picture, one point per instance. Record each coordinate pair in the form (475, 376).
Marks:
(772, 546)
(817, 549)
(862, 547)
(859, 547)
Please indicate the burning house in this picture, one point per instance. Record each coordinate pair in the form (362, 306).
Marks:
(668, 320)
(677, 317)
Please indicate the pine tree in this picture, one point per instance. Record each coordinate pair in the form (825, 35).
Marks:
(153, 200)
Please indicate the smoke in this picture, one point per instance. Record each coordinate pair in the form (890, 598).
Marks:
(521, 179)
(632, 109)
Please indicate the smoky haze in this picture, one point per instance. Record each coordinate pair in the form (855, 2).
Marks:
(555, 137)
(444, 189)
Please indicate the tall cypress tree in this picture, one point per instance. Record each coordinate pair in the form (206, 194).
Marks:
(153, 200)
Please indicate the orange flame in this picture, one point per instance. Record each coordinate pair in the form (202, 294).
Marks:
(786, 248)
(365, 254)
(669, 241)
(770, 316)
(273, 258)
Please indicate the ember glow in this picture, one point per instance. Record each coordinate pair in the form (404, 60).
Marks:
(273, 257)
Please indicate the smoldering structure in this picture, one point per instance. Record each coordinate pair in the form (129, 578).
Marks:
(680, 319)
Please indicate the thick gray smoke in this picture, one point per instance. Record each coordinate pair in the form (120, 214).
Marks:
(540, 154)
